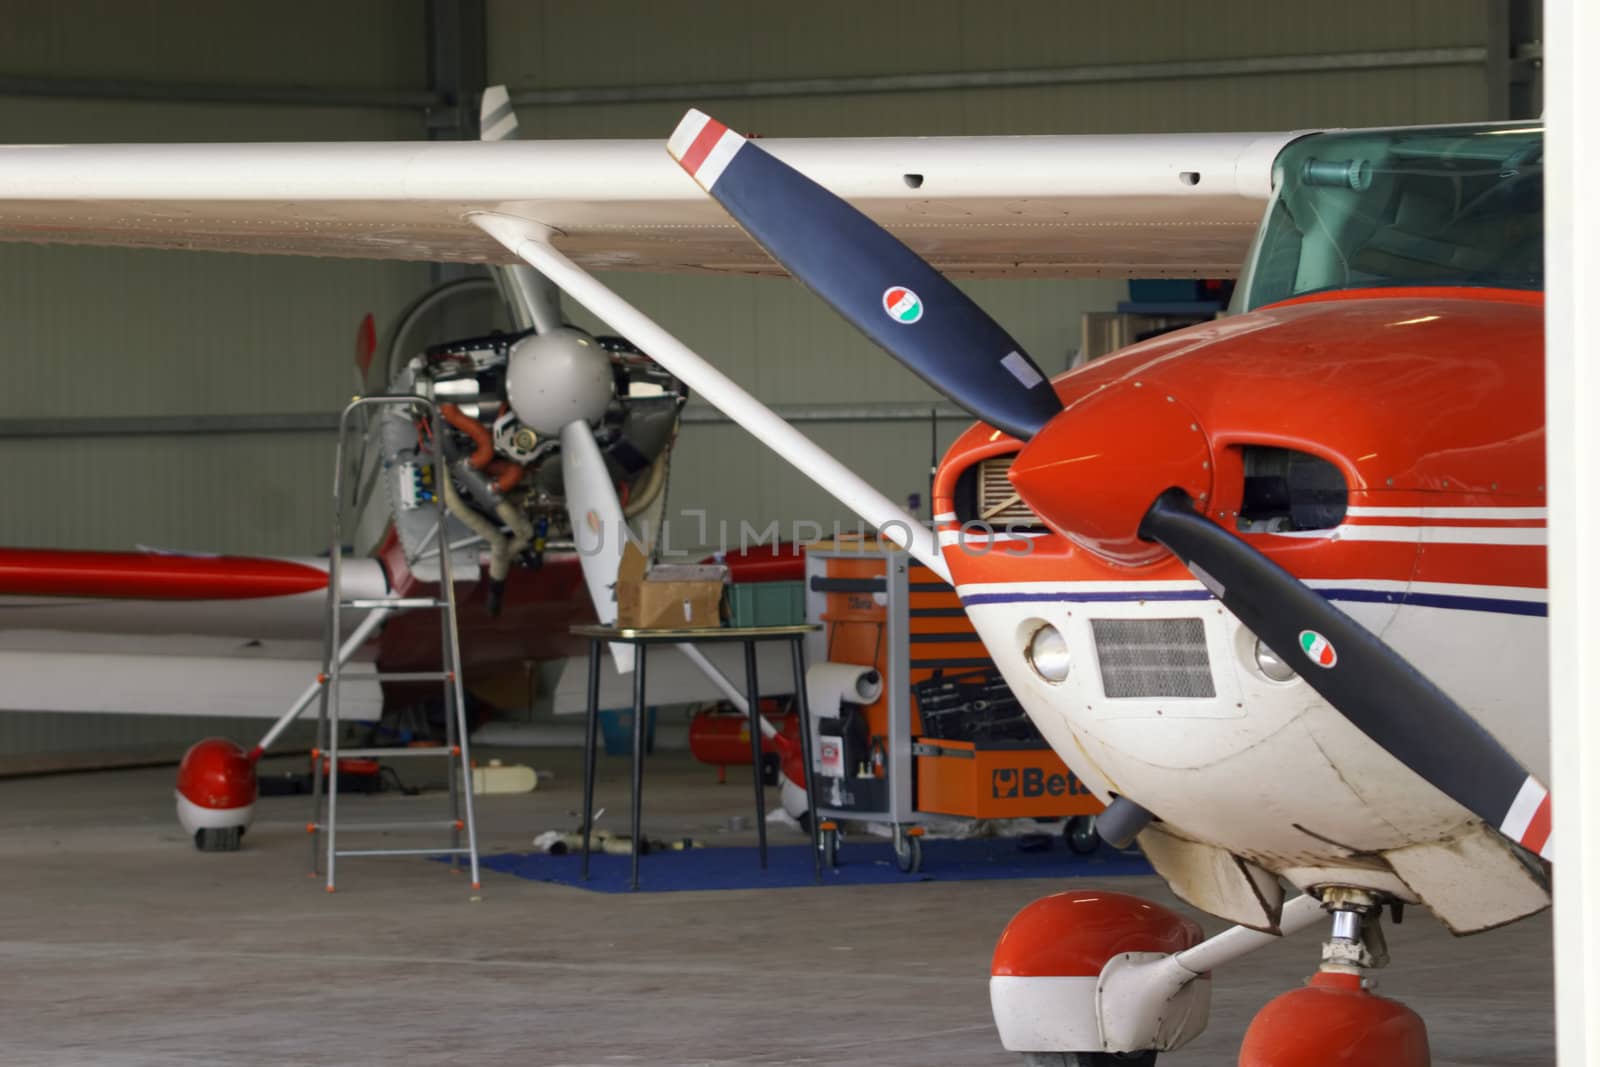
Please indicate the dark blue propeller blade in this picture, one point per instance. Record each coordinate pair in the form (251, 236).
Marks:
(870, 278)
(1366, 680)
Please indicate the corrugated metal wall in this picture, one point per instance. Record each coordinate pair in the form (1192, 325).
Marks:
(101, 332)
(118, 333)
(532, 46)
(778, 340)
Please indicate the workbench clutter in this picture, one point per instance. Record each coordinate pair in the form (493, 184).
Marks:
(668, 596)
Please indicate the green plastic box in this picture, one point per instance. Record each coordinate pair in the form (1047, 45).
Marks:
(767, 603)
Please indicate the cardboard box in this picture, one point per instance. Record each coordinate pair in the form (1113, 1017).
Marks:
(667, 596)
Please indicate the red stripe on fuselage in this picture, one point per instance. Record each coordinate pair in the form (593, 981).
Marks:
(703, 144)
(148, 576)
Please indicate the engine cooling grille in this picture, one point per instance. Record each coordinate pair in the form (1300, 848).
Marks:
(1153, 658)
(998, 502)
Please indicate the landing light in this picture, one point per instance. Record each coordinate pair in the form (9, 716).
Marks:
(1047, 654)
(1270, 664)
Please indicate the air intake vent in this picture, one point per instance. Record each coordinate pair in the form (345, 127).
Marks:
(1285, 490)
(1143, 658)
(997, 503)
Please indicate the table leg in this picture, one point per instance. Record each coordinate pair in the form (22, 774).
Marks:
(638, 750)
(803, 706)
(753, 695)
(591, 724)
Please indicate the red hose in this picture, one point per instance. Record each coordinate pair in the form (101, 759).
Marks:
(484, 452)
(507, 474)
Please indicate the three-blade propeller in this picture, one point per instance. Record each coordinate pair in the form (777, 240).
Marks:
(926, 323)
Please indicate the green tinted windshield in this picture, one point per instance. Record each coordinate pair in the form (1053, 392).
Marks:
(1460, 205)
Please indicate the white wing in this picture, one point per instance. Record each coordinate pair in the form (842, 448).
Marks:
(1135, 206)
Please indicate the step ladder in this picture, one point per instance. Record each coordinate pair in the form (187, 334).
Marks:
(324, 826)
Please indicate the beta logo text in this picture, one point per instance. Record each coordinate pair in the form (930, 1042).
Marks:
(1021, 783)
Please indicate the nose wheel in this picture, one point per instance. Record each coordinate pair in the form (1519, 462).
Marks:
(1335, 1020)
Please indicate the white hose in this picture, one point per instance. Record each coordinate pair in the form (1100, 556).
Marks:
(521, 529)
(499, 547)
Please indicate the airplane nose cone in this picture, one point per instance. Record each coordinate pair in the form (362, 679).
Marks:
(1095, 469)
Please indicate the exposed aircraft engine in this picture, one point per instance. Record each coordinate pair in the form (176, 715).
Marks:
(504, 401)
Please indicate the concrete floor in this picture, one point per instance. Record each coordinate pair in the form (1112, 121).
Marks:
(121, 945)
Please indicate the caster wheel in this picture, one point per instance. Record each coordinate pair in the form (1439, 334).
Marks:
(908, 854)
(1081, 835)
(1089, 1059)
(829, 841)
(218, 839)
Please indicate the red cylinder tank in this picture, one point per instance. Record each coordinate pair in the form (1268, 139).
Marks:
(721, 736)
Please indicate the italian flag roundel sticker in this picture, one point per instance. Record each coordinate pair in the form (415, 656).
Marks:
(1318, 648)
(902, 305)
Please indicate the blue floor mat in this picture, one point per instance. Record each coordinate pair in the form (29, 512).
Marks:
(789, 866)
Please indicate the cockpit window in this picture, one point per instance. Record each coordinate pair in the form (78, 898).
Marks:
(1461, 205)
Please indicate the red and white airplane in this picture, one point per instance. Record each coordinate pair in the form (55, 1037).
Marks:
(1277, 594)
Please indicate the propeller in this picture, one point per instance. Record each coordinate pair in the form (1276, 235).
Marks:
(882, 287)
(599, 529)
(559, 381)
(1360, 674)
(922, 320)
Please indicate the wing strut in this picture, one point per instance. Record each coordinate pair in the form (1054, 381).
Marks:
(529, 241)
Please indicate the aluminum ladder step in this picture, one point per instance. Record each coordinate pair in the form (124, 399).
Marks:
(402, 851)
(400, 676)
(396, 825)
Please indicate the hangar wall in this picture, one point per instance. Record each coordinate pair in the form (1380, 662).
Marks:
(92, 333)
(777, 340)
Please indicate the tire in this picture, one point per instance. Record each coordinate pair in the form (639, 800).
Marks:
(908, 853)
(218, 839)
(829, 840)
(1089, 1059)
(1081, 835)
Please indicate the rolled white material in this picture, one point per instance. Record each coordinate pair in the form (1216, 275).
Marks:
(829, 686)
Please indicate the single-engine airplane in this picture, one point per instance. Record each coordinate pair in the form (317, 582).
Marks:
(1281, 601)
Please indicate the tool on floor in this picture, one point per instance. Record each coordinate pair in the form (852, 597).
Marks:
(428, 473)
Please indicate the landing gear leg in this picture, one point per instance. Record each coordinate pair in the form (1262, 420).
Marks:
(1336, 1021)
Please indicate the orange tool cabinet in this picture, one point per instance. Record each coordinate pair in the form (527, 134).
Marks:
(945, 739)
